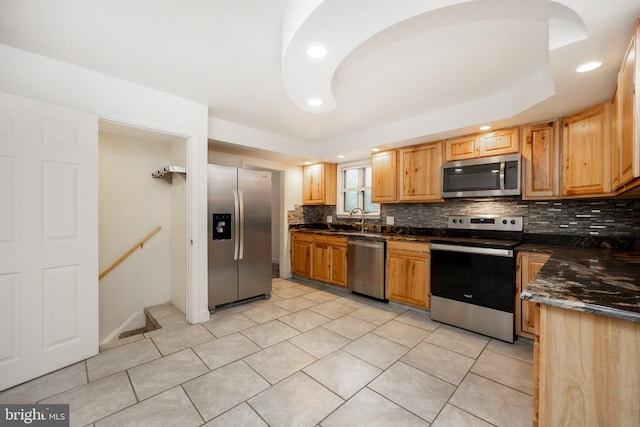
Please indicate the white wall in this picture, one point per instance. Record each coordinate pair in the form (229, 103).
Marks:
(132, 204)
(290, 194)
(179, 229)
(55, 82)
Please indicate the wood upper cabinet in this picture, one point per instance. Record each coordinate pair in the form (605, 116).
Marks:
(586, 153)
(541, 169)
(465, 147)
(615, 142)
(408, 273)
(528, 265)
(499, 142)
(626, 117)
(495, 143)
(301, 254)
(420, 174)
(384, 176)
(319, 184)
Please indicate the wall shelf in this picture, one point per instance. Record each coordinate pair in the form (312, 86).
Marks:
(167, 172)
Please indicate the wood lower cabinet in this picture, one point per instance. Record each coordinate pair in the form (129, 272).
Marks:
(301, 254)
(319, 184)
(338, 263)
(587, 370)
(528, 265)
(541, 171)
(586, 153)
(330, 259)
(408, 273)
(420, 174)
(384, 177)
(319, 257)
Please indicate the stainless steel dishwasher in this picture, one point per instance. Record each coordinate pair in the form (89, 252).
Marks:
(366, 267)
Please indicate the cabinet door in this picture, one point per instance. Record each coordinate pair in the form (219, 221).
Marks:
(408, 274)
(321, 261)
(541, 161)
(339, 265)
(466, 147)
(420, 172)
(586, 153)
(528, 264)
(301, 254)
(319, 184)
(627, 143)
(498, 143)
(616, 144)
(383, 177)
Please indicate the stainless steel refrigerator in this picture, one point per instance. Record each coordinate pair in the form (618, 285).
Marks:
(239, 234)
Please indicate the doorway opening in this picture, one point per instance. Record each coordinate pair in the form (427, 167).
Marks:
(132, 204)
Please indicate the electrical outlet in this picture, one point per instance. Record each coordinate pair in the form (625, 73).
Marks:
(329, 219)
(390, 220)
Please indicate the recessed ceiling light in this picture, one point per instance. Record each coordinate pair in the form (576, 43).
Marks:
(588, 66)
(375, 150)
(486, 127)
(307, 163)
(314, 102)
(316, 51)
(340, 156)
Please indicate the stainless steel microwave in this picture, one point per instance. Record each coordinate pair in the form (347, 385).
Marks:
(484, 177)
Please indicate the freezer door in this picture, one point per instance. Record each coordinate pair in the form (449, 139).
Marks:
(254, 265)
(223, 269)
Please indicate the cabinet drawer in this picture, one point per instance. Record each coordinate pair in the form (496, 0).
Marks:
(397, 245)
(302, 237)
(330, 240)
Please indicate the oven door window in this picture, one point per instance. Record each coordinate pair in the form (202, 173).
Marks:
(484, 280)
(472, 178)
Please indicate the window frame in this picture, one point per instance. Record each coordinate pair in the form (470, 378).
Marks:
(340, 212)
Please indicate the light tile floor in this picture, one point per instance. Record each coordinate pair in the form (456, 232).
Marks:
(311, 355)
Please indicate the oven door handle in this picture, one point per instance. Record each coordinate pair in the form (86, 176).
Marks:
(472, 250)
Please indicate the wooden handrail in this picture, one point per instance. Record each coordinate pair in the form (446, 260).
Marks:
(133, 248)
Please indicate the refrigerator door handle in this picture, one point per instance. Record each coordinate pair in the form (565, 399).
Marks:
(236, 209)
(241, 238)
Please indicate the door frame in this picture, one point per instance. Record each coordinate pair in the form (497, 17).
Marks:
(197, 291)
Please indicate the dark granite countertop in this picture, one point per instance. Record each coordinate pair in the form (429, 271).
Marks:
(598, 279)
(593, 280)
(371, 235)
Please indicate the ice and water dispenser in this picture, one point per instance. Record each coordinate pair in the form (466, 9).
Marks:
(221, 226)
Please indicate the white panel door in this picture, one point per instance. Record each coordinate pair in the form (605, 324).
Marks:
(48, 238)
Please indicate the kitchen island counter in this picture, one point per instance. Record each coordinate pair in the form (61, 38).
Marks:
(593, 280)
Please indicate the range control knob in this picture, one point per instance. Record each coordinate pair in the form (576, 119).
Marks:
(455, 220)
(513, 221)
(504, 221)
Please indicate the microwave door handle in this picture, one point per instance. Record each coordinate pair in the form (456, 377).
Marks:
(502, 175)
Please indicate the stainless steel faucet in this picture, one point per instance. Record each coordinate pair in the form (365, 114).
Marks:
(362, 220)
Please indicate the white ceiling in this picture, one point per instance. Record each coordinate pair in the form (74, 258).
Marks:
(399, 70)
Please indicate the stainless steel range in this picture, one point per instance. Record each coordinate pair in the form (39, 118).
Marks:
(473, 274)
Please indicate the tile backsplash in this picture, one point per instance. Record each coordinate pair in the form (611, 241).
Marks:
(584, 217)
